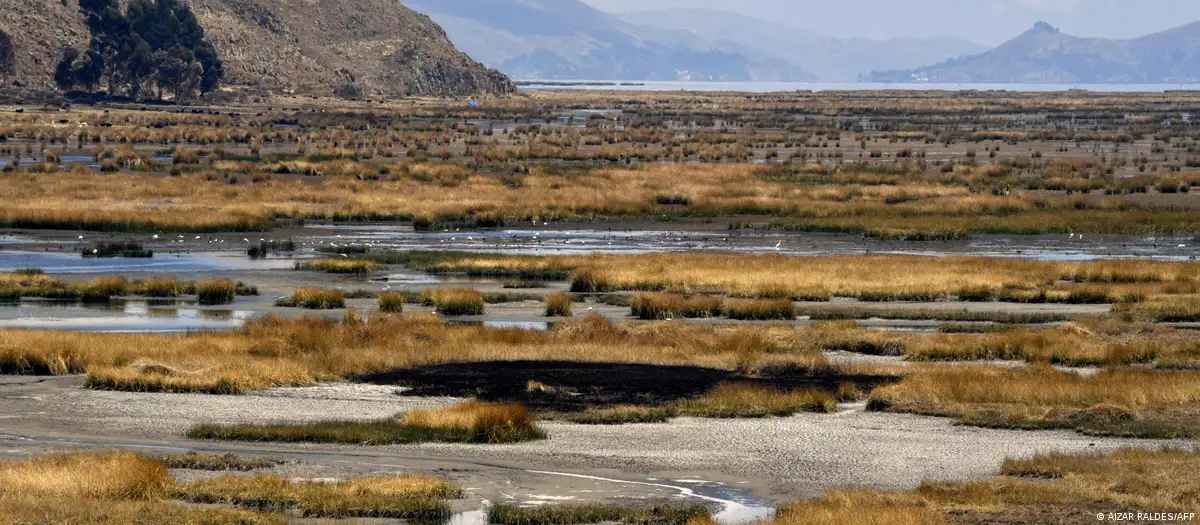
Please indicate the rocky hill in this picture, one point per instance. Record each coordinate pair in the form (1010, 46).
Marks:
(310, 46)
(1046, 55)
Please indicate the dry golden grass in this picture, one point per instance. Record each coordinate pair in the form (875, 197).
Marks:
(1183, 308)
(345, 189)
(454, 301)
(409, 496)
(495, 422)
(110, 488)
(1134, 402)
(745, 400)
(868, 277)
(276, 352)
(559, 304)
(314, 299)
(391, 302)
(347, 266)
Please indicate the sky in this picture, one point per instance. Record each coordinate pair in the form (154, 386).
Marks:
(987, 22)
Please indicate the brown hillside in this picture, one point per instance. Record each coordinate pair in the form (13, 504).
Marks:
(310, 46)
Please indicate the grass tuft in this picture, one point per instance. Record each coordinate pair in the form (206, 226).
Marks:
(314, 299)
(454, 301)
(579, 514)
(559, 304)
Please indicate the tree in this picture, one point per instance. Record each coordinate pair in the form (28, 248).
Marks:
(8, 64)
(64, 74)
(155, 44)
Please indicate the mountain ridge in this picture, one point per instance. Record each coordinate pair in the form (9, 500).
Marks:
(827, 58)
(1044, 54)
(569, 40)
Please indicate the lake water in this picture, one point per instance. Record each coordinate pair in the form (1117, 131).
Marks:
(385, 238)
(769, 87)
(168, 262)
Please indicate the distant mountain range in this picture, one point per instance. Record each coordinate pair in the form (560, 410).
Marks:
(567, 39)
(826, 58)
(1046, 55)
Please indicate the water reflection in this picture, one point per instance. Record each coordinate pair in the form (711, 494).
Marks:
(125, 316)
(174, 262)
(535, 241)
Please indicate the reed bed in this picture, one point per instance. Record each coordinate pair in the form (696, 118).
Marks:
(220, 291)
(1125, 402)
(103, 488)
(314, 299)
(339, 266)
(454, 301)
(581, 514)
(401, 497)
(436, 195)
(37, 285)
(469, 422)
(274, 352)
(733, 400)
(869, 278)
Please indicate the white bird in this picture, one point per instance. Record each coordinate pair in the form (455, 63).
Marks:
(1182, 246)
(778, 244)
(344, 255)
(155, 236)
(197, 237)
(80, 236)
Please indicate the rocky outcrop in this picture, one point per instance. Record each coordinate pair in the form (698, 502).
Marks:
(40, 30)
(307, 46)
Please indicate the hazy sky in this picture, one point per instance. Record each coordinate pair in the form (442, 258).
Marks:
(987, 22)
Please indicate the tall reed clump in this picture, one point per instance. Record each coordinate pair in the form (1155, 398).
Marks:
(102, 488)
(559, 304)
(1122, 401)
(217, 291)
(485, 422)
(660, 306)
(159, 287)
(584, 513)
(391, 302)
(342, 266)
(469, 422)
(314, 299)
(454, 301)
(409, 497)
(760, 309)
(740, 400)
(104, 288)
